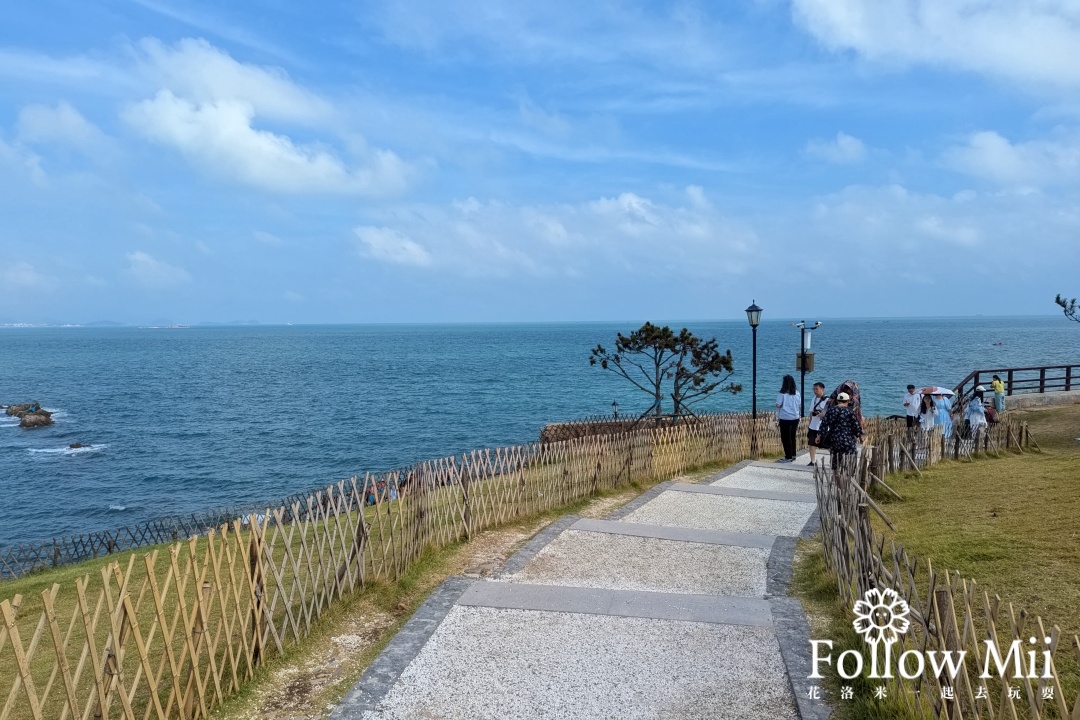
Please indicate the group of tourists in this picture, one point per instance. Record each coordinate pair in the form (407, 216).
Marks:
(836, 419)
(933, 407)
(834, 422)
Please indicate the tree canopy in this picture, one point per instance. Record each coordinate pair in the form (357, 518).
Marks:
(1069, 308)
(654, 359)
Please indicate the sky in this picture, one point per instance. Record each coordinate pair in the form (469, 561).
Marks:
(476, 161)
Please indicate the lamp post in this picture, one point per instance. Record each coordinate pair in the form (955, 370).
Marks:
(804, 346)
(615, 409)
(753, 315)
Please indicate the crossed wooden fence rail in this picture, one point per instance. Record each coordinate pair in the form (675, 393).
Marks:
(947, 612)
(65, 550)
(175, 631)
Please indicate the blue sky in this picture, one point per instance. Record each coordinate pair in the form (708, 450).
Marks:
(498, 161)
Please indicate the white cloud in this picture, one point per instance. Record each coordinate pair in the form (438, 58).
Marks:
(23, 161)
(390, 246)
(62, 124)
(844, 150)
(197, 70)
(293, 296)
(1020, 40)
(627, 233)
(155, 274)
(22, 275)
(219, 136)
(989, 156)
(208, 107)
(267, 238)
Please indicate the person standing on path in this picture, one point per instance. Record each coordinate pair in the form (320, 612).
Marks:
(788, 407)
(999, 393)
(845, 431)
(817, 413)
(911, 407)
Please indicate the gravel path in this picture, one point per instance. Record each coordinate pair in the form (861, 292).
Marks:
(716, 512)
(622, 562)
(565, 657)
(508, 664)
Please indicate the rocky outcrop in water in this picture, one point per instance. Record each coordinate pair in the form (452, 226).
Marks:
(30, 415)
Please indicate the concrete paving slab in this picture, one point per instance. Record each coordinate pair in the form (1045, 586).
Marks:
(742, 492)
(773, 479)
(625, 562)
(719, 512)
(620, 603)
(798, 466)
(486, 663)
(710, 537)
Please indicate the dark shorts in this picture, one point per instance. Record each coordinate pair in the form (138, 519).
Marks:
(811, 437)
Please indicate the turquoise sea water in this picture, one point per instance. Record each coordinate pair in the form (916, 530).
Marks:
(180, 420)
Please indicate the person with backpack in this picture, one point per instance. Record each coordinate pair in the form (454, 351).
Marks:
(842, 429)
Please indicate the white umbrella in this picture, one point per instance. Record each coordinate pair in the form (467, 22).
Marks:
(937, 390)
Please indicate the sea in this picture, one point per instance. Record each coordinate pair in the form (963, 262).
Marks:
(178, 420)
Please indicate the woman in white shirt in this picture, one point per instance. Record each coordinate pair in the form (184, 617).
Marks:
(927, 413)
(818, 407)
(788, 408)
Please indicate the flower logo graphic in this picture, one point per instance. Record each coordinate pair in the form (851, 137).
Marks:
(881, 616)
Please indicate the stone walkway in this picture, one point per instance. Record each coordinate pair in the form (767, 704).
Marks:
(673, 607)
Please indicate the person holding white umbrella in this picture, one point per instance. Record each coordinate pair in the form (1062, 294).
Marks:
(927, 413)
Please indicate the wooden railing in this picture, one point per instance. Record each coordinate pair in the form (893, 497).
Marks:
(947, 612)
(1040, 379)
(173, 632)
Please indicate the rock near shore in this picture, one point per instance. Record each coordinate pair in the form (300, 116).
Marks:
(30, 415)
(41, 418)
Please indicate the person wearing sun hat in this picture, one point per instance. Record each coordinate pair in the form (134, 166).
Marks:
(843, 428)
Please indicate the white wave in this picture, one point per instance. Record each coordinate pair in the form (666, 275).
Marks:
(69, 450)
(118, 507)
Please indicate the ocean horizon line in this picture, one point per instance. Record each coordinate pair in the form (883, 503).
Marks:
(107, 325)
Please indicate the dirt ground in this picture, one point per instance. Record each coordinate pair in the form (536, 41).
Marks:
(316, 674)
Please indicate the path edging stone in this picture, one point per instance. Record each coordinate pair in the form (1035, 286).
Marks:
(407, 642)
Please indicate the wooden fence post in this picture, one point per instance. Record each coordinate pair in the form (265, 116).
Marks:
(198, 628)
(466, 502)
(258, 574)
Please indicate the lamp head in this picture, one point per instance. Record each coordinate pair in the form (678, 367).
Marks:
(753, 314)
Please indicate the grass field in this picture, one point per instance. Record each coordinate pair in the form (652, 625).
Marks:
(1011, 523)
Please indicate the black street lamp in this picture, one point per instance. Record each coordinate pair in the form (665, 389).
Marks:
(753, 314)
(804, 347)
(615, 409)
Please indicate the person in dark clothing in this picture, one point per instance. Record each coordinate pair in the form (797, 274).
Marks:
(843, 428)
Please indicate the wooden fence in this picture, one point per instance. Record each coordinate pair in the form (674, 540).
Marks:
(947, 612)
(1039, 379)
(173, 632)
(29, 557)
(65, 550)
